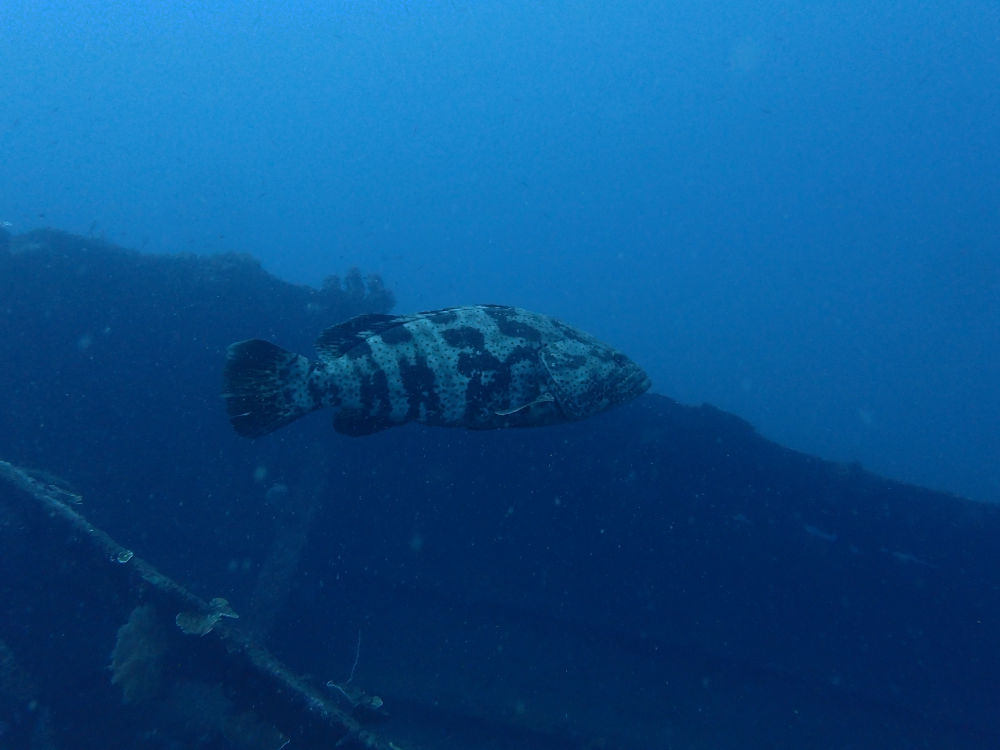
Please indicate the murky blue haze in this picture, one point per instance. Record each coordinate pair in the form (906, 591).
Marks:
(788, 211)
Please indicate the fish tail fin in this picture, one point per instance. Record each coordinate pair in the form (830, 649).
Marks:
(265, 387)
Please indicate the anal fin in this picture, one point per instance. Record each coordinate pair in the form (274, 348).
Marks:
(355, 423)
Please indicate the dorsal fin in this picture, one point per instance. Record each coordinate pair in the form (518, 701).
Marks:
(336, 340)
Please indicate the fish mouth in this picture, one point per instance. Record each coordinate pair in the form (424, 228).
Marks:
(634, 381)
(638, 382)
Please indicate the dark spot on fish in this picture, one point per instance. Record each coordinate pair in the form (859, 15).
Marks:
(489, 383)
(473, 364)
(509, 325)
(319, 390)
(397, 335)
(359, 350)
(521, 354)
(569, 332)
(418, 383)
(490, 380)
(465, 337)
(375, 394)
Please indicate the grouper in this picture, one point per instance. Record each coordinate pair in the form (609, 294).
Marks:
(478, 367)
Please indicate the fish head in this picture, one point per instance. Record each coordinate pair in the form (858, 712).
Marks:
(588, 376)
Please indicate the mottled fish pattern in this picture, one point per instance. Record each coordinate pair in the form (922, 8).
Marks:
(478, 367)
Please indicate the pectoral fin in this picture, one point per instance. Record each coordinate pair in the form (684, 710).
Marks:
(545, 398)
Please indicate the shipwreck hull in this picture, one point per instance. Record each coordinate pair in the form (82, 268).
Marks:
(658, 575)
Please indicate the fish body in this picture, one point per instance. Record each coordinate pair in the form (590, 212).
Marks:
(477, 367)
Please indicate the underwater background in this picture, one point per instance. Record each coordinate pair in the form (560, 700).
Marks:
(790, 212)
(788, 215)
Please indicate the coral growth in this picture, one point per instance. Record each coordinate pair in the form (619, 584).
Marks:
(137, 658)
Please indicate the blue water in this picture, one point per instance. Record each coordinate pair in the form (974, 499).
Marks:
(788, 211)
